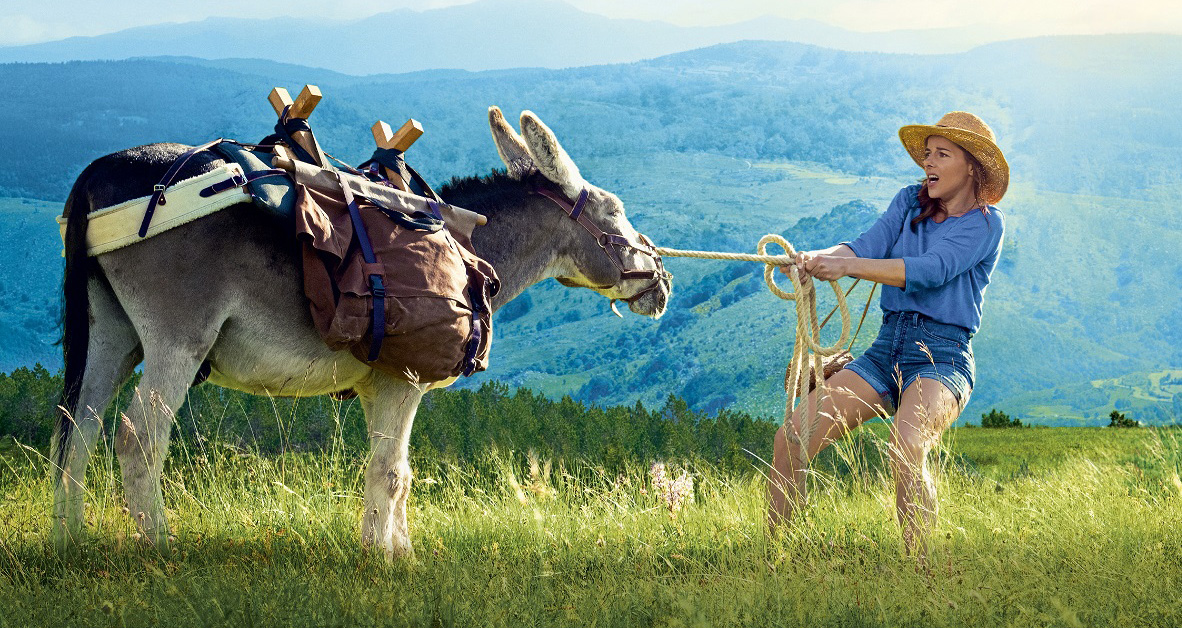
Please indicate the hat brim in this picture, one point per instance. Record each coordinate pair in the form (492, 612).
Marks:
(997, 170)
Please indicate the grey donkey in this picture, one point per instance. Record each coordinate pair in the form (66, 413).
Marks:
(223, 295)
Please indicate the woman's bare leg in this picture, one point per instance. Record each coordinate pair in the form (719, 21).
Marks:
(926, 409)
(849, 402)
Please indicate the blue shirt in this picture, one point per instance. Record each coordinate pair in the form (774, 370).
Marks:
(948, 264)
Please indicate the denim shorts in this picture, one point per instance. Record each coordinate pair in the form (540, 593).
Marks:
(910, 346)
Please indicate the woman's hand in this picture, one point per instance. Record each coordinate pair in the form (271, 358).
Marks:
(819, 265)
(801, 259)
(824, 267)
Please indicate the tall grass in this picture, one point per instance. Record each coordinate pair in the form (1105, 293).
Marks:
(1086, 535)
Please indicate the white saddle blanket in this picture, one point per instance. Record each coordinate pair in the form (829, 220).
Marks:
(118, 226)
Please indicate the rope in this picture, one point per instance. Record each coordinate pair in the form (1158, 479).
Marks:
(777, 260)
(807, 351)
(807, 326)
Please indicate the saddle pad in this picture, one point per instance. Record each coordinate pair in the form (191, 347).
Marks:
(274, 195)
(118, 226)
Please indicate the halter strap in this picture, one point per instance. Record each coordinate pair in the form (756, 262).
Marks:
(608, 241)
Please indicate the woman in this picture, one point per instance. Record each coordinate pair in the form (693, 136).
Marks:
(934, 250)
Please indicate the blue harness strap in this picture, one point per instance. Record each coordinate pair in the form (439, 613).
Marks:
(419, 185)
(158, 197)
(478, 295)
(284, 129)
(391, 159)
(377, 288)
(434, 207)
(237, 181)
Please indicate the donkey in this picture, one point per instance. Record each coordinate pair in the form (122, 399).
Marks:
(222, 297)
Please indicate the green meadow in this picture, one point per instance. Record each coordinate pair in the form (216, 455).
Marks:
(1037, 527)
(534, 502)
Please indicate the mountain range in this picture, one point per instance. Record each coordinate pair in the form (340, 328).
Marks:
(483, 35)
(710, 149)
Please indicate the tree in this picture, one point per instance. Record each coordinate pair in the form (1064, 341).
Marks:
(997, 418)
(28, 403)
(1118, 419)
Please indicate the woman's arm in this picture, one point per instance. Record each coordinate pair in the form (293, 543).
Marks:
(839, 261)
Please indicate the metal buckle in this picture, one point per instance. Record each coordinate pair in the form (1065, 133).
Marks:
(158, 192)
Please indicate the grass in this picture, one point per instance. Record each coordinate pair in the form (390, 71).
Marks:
(1046, 527)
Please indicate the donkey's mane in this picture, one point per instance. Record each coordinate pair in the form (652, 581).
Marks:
(487, 195)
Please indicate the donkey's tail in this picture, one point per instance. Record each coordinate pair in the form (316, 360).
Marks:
(75, 312)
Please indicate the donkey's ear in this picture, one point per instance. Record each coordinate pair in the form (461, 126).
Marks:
(510, 146)
(547, 153)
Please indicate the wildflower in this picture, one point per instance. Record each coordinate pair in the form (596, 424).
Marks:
(673, 493)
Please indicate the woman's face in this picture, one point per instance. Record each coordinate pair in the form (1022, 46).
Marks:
(949, 174)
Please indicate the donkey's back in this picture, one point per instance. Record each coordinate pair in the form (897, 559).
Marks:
(225, 289)
(220, 297)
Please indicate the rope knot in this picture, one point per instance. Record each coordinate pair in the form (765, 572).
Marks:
(769, 269)
(779, 240)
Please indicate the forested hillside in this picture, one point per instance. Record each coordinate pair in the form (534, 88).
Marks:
(712, 149)
(1075, 114)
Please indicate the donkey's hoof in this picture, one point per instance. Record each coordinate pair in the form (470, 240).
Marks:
(392, 552)
(401, 554)
(64, 536)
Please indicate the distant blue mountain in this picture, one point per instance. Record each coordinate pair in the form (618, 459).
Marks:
(488, 34)
(710, 149)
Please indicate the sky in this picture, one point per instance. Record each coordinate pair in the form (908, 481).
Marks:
(23, 22)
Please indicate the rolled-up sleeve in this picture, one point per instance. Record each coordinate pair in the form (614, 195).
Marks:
(877, 241)
(972, 239)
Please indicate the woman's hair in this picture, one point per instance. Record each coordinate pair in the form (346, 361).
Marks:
(930, 207)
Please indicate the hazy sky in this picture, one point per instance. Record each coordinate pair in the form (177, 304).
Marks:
(22, 21)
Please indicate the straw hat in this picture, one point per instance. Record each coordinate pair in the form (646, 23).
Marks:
(970, 133)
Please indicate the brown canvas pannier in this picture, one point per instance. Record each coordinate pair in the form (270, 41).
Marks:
(435, 315)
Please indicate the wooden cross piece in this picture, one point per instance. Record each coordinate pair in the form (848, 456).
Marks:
(301, 108)
(384, 137)
(401, 140)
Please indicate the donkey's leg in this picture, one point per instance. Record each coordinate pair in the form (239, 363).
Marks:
(170, 363)
(390, 405)
(112, 354)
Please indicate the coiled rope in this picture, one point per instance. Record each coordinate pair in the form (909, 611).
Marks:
(807, 352)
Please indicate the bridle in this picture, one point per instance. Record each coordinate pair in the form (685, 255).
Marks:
(612, 245)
